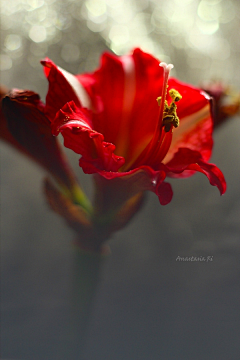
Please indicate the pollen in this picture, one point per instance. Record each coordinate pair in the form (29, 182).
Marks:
(174, 94)
(159, 100)
(170, 111)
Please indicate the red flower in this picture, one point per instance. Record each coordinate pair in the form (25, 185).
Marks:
(111, 118)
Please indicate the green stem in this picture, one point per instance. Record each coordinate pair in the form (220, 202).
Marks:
(81, 198)
(77, 196)
(86, 276)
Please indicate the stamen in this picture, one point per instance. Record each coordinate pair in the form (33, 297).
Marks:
(170, 111)
(158, 146)
(167, 68)
(175, 95)
(168, 115)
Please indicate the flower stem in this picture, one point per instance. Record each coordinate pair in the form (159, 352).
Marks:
(80, 198)
(86, 276)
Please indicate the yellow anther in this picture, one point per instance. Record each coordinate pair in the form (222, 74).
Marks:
(159, 100)
(170, 111)
(174, 94)
(176, 121)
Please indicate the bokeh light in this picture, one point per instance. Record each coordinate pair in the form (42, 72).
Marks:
(193, 34)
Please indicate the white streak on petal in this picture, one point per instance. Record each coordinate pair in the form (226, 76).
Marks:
(207, 96)
(78, 89)
(76, 124)
(130, 83)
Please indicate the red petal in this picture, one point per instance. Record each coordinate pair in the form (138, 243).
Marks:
(193, 99)
(186, 159)
(5, 134)
(108, 86)
(196, 125)
(114, 188)
(63, 87)
(144, 116)
(75, 126)
(128, 100)
(213, 173)
(164, 193)
(31, 130)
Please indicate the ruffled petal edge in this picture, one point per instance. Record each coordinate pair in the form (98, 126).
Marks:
(75, 126)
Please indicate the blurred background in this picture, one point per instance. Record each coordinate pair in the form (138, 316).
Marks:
(148, 305)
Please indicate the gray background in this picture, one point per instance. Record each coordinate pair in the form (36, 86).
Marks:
(147, 305)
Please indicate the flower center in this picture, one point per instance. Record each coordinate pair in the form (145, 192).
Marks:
(157, 148)
(161, 140)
